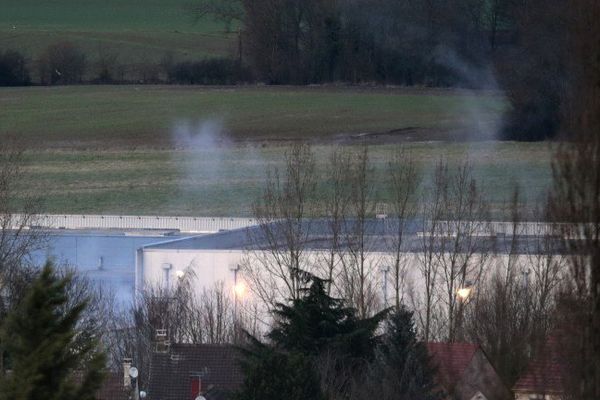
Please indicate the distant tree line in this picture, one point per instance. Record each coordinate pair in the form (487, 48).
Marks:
(64, 63)
(518, 46)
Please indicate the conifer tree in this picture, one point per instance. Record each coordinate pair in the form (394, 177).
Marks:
(272, 374)
(313, 325)
(402, 370)
(317, 322)
(46, 357)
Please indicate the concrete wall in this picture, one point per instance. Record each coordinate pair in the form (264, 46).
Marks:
(160, 266)
(183, 224)
(480, 376)
(536, 396)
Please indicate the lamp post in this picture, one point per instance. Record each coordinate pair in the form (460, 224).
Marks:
(133, 374)
(463, 293)
(238, 291)
(385, 269)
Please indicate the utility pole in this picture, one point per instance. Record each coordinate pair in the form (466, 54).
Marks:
(385, 269)
(235, 268)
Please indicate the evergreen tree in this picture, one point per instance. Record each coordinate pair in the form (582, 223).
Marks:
(271, 374)
(313, 325)
(402, 369)
(318, 322)
(46, 356)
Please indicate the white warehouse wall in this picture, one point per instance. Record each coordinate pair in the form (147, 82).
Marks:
(212, 266)
(209, 267)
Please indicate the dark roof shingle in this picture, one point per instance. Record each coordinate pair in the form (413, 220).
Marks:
(544, 374)
(171, 373)
(451, 361)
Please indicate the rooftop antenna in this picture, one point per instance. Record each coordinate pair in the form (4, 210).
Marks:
(381, 213)
(162, 341)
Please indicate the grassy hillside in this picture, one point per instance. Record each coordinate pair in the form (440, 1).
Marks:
(224, 180)
(204, 151)
(100, 15)
(147, 116)
(136, 31)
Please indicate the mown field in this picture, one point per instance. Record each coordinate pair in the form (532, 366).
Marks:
(224, 181)
(148, 116)
(138, 32)
(204, 151)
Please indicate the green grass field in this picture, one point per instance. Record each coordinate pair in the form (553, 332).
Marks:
(110, 149)
(138, 32)
(225, 181)
(146, 116)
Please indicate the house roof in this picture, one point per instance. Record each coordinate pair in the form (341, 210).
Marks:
(171, 373)
(113, 388)
(451, 360)
(544, 374)
(316, 234)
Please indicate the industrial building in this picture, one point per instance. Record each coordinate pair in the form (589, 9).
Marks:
(219, 257)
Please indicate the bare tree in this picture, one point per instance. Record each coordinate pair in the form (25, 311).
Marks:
(431, 215)
(62, 63)
(463, 251)
(164, 315)
(404, 178)
(226, 11)
(19, 237)
(356, 280)
(335, 206)
(511, 313)
(278, 250)
(454, 253)
(575, 199)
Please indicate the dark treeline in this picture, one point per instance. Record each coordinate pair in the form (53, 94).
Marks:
(401, 42)
(518, 46)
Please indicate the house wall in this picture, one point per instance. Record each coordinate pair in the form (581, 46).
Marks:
(208, 267)
(480, 376)
(536, 396)
(212, 266)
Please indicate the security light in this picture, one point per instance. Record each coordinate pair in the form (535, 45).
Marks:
(133, 372)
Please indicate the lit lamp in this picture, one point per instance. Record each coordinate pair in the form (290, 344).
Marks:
(464, 292)
(239, 289)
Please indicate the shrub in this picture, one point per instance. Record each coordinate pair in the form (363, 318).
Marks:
(218, 71)
(13, 69)
(62, 63)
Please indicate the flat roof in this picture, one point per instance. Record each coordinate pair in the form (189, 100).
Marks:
(379, 236)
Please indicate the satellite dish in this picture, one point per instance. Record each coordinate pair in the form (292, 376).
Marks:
(133, 372)
(142, 394)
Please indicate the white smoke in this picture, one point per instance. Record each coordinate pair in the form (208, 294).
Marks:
(201, 149)
(203, 135)
(482, 122)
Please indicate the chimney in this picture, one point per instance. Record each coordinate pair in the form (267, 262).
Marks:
(161, 341)
(126, 377)
(195, 387)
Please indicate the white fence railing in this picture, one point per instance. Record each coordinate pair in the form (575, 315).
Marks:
(183, 224)
(215, 224)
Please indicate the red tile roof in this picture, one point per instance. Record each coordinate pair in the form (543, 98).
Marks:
(545, 371)
(113, 388)
(217, 366)
(451, 360)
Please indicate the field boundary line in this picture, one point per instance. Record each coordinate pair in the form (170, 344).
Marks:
(126, 222)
